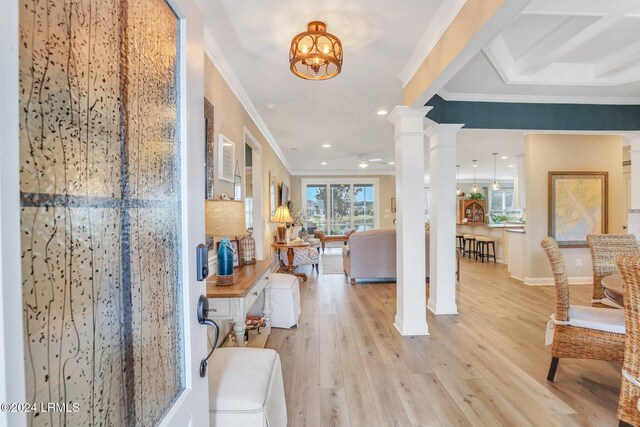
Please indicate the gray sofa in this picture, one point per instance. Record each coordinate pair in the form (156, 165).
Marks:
(372, 255)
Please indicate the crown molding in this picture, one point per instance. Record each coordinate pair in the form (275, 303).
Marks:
(438, 25)
(537, 99)
(213, 51)
(343, 173)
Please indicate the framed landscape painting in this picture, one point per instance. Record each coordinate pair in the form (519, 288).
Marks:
(577, 206)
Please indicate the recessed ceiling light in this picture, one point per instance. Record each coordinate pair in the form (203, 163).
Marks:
(392, 163)
(375, 160)
(382, 112)
(326, 145)
(510, 166)
(504, 157)
(324, 163)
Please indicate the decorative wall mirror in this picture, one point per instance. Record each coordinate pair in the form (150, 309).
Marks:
(226, 158)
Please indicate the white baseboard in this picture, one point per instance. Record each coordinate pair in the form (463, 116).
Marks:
(548, 281)
(433, 307)
(411, 329)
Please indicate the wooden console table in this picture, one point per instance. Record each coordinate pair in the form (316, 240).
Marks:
(328, 238)
(234, 301)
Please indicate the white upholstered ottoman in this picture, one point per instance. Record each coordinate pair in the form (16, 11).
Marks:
(285, 300)
(246, 388)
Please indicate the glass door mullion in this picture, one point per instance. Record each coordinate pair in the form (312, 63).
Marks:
(351, 216)
(329, 204)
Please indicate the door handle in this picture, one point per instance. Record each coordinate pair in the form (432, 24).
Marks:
(203, 314)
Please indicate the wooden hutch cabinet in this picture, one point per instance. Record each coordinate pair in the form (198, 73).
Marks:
(473, 210)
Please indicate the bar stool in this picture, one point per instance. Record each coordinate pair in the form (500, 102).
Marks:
(472, 245)
(460, 239)
(482, 243)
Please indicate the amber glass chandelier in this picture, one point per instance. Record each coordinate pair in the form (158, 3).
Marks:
(316, 54)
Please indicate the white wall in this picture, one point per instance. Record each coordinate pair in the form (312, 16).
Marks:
(545, 153)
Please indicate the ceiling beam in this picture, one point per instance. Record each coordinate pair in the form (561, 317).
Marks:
(499, 55)
(618, 62)
(477, 23)
(562, 40)
(438, 25)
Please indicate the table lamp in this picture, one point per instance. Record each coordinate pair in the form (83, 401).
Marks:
(282, 216)
(225, 218)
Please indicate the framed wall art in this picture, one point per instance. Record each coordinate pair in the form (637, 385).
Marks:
(273, 194)
(209, 148)
(578, 203)
(226, 158)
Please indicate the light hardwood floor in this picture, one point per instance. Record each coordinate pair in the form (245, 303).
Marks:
(345, 364)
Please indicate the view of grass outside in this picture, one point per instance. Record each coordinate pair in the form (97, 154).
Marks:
(345, 207)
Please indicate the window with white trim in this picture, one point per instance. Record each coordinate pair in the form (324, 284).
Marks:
(339, 205)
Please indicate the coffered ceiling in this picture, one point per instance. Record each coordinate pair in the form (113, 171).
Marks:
(584, 51)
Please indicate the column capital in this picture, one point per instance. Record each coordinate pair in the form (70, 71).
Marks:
(401, 112)
(404, 111)
(437, 128)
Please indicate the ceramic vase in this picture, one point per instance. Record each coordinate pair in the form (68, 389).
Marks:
(225, 258)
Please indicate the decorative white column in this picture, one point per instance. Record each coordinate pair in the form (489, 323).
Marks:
(442, 242)
(411, 312)
(519, 183)
(635, 173)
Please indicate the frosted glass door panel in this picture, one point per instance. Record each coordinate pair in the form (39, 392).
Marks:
(100, 196)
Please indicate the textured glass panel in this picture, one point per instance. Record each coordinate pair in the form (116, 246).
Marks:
(69, 103)
(153, 169)
(73, 313)
(100, 210)
(155, 278)
(151, 97)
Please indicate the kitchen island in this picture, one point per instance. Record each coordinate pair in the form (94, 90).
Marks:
(497, 231)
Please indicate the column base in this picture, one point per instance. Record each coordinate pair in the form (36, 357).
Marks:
(436, 308)
(411, 329)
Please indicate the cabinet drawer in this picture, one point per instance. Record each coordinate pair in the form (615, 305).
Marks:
(255, 292)
(219, 307)
(251, 297)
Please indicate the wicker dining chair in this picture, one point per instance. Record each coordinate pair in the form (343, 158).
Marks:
(605, 248)
(628, 414)
(580, 332)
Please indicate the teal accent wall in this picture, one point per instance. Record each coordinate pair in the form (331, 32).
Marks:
(535, 116)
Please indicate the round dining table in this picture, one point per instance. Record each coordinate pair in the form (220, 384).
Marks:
(612, 285)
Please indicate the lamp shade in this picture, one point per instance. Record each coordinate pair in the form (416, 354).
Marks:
(225, 218)
(282, 215)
